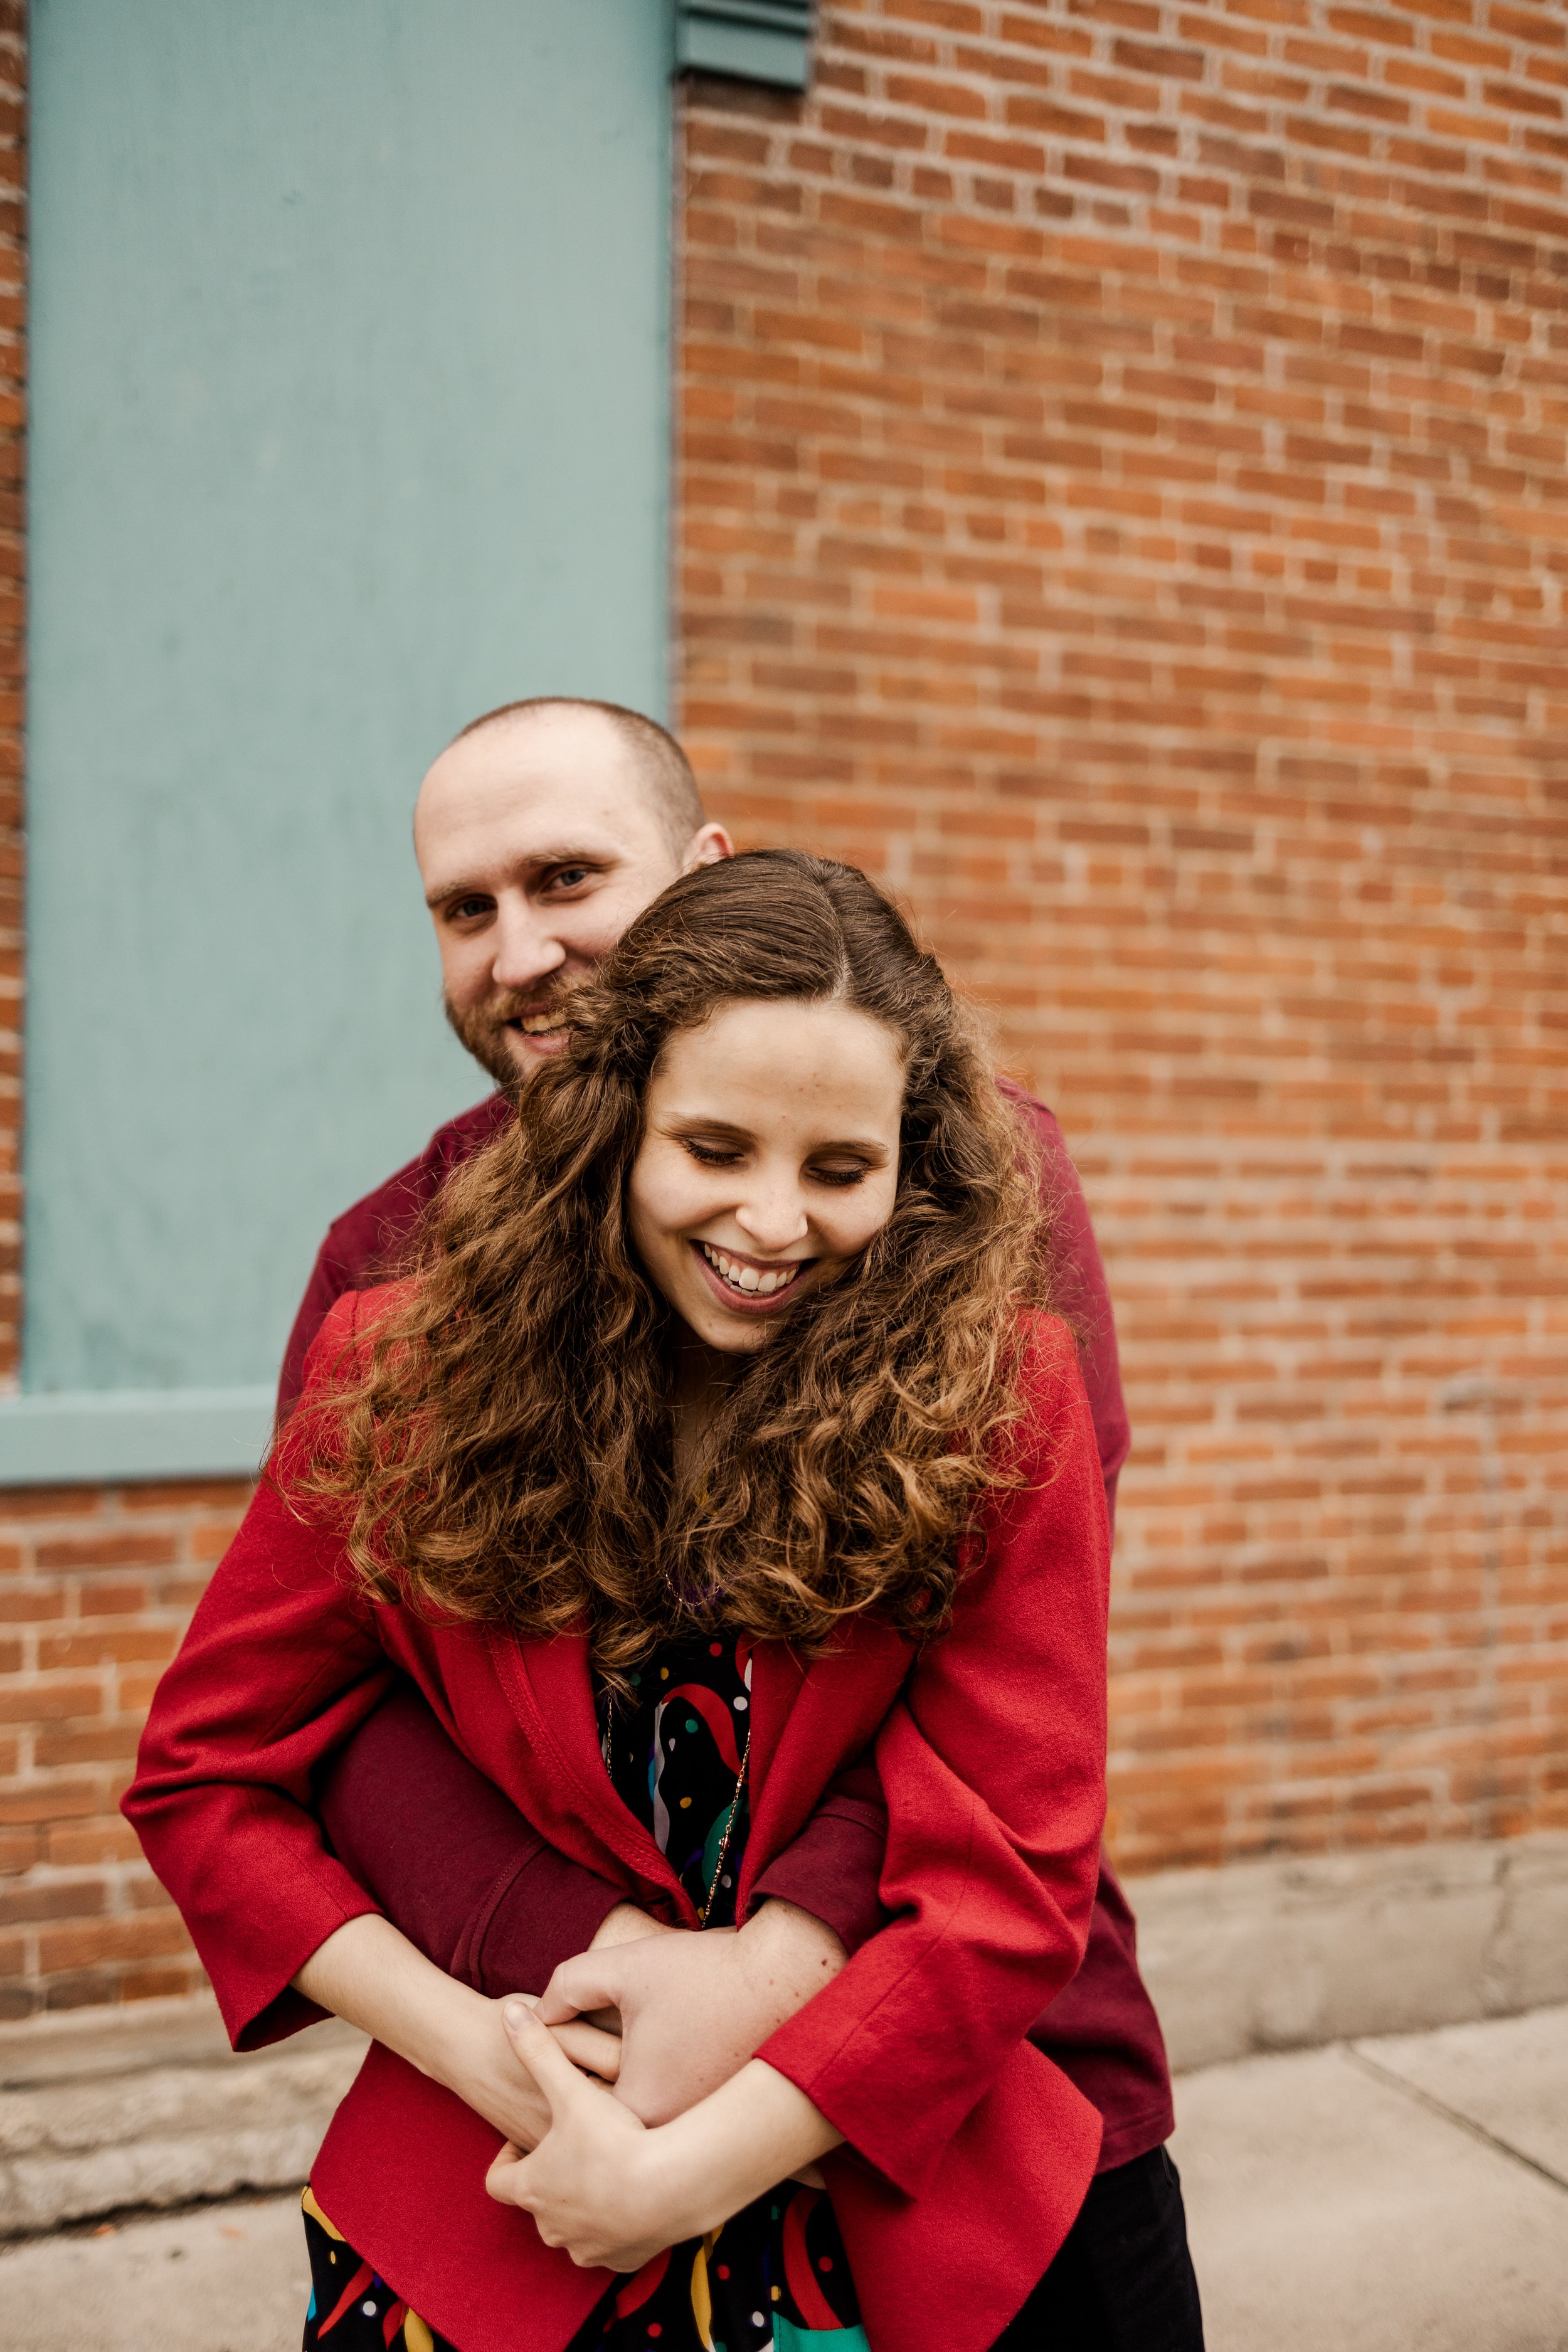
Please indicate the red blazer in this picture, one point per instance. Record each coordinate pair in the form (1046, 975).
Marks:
(969, 2153)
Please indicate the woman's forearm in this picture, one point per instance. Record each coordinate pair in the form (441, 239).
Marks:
(369, 1973)
(753, 2132)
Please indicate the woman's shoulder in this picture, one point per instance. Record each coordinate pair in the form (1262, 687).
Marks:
(350, 1323)
(1051, 1390)
(1048, 1354)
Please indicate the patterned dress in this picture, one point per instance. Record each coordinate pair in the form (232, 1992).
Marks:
(775, 2273)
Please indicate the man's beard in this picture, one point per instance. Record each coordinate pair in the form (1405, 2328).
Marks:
(482, 1030)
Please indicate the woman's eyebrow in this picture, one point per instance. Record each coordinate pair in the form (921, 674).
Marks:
(865, 1147)
(700, 1122)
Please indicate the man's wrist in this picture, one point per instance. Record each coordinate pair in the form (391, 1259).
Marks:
(625, 1924)
(783, 1930)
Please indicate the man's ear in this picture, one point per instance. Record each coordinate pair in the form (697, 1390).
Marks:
(707, 847)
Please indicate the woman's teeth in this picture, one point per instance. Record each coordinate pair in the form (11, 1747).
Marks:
(746, 1277)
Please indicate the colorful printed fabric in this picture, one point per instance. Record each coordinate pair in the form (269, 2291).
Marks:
(674, 1749)
(352, 2309)
(775, 2273)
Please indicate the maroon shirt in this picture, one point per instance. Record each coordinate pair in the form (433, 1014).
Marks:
(422, 1842)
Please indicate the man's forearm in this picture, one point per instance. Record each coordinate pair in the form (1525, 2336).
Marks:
(449, 1859)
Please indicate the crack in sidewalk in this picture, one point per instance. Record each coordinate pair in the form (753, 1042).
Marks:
(1452, 2116)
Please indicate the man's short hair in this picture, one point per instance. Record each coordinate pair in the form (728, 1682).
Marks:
(663, 769)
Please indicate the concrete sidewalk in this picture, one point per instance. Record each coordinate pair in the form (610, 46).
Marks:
(1407, 2194)
(1400, 2195)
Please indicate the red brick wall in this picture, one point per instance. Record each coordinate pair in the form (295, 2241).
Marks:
(96, 1588)
(1124, 503)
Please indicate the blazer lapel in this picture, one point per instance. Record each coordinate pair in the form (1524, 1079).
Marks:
(548, 1683)
(809, 1721)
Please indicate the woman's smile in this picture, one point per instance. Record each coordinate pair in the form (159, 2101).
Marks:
(748, 1285)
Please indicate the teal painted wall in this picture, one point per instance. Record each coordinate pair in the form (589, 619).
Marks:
(350, 390)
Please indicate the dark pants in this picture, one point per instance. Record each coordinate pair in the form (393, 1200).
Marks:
(1123, 2279)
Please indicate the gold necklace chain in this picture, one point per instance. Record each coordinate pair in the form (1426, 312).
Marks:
(729, 1832)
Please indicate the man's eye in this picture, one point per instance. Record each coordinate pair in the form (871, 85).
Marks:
(710, 1155)
(840, 1176)
(569, 877)
(465, 910)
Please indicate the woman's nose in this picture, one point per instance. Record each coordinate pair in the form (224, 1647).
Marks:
(773, 1220)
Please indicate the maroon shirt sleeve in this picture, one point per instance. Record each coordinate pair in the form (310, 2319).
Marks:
(449, 1859)
(366, 1244)
(833, 1868)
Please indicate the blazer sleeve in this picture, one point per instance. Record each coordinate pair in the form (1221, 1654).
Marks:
(993, 1768)
(281, 1663)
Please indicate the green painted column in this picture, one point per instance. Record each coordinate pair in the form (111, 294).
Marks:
(350, 419)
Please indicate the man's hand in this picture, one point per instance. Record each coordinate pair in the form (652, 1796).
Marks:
(626, 1924)
(694, 2007)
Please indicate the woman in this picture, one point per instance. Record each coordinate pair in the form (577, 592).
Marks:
(716, 1444)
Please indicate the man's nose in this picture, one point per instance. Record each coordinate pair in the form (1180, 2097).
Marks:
(526, 951)
(773, 1216)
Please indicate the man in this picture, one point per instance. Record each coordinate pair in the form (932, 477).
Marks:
(541, 833)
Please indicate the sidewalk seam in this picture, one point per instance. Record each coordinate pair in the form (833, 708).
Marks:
(1453, 2115)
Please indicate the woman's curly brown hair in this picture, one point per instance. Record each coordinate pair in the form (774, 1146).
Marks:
(506, 1452)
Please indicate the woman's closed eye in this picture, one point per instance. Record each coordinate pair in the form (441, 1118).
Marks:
(712, 1155)
(838, 1174)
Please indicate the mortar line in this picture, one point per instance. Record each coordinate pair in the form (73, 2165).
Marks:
(1453, 2115)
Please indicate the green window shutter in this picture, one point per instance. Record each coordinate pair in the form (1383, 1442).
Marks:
(755, 41)
(352, 360)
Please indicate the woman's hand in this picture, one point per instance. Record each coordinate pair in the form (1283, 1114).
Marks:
(476, 2057)
(589, 2183)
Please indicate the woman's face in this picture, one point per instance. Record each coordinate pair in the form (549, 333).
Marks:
(770, 1157)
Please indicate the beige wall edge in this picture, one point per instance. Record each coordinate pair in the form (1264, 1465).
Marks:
(1282, 1955)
